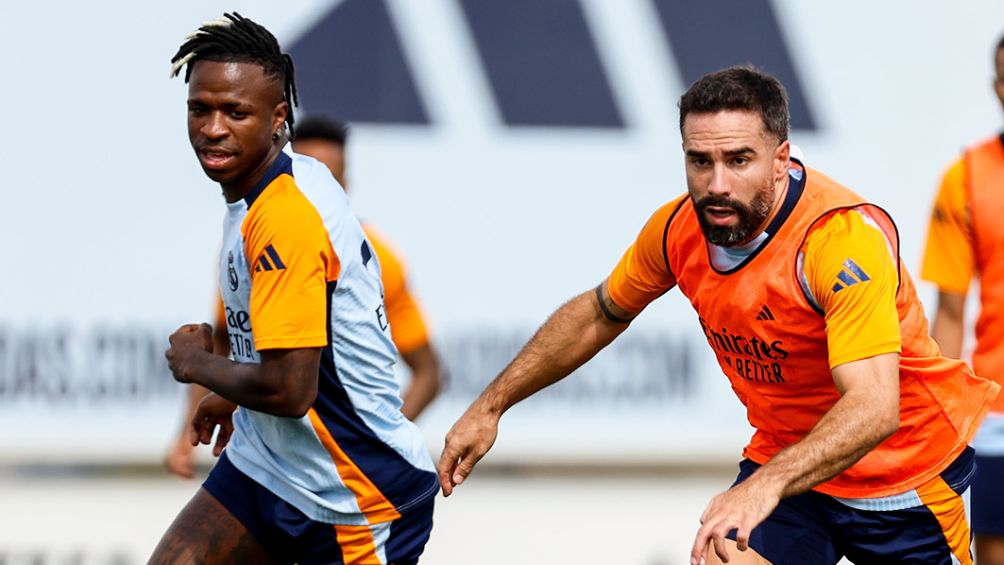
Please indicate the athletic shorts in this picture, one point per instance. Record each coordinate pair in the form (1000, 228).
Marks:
(928, 525)
(988, 484)
(289, 534)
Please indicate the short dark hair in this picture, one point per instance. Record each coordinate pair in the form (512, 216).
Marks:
(317, 126)
(236, 39)
(739, 88)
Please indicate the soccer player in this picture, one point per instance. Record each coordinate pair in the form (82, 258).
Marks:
(324, 139)
(966, 238)
(320, 465)
(861, 428)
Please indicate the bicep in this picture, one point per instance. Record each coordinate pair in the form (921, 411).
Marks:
(853, 274)
(877, 376)
(642, 274)
(295, 371)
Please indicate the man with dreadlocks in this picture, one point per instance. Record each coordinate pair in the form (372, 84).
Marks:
(320, 466)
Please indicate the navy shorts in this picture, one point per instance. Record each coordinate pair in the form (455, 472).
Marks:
(820, 529)
(288, 533)
(988, 496)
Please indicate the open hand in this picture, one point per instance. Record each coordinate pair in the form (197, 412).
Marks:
(740, 508)
(213, 411)
(466, 443)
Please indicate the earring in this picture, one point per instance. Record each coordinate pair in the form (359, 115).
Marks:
(275, 137)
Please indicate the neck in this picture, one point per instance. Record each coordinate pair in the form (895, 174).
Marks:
(234, 191)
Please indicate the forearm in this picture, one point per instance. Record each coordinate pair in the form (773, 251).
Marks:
(949, 323)
(569, 338)
(245, 384)
(425, 380)
(852, 428)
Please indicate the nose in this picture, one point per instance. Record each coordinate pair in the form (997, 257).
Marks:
(215, 126)
(718, 183)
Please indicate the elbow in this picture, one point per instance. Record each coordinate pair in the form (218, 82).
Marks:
(887, 424)
(292, 405)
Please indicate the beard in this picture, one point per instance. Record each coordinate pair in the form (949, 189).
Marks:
(750, 216)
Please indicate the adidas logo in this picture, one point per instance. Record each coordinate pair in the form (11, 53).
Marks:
(265, 264)
(851, 275)
(765, 313)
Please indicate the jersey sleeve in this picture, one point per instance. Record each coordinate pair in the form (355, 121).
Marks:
(851, 271)
(291, 262)
(642, 274)
(949, 261)
(407, 322)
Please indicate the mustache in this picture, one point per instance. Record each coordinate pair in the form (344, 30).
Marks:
(721, 202)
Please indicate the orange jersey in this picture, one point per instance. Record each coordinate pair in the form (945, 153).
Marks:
(966, 239)
(407, 323)
(824, 287)
(408, 328)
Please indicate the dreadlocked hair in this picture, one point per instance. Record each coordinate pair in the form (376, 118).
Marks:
(234, 38)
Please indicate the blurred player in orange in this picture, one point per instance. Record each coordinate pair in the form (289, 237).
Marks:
(324, 139)
(861, 427)
(966, 240)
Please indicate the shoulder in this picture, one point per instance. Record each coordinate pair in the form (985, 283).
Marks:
(847, 226)
(283, 204)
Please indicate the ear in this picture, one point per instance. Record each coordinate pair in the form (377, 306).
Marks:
(782, 159)
(279, 115)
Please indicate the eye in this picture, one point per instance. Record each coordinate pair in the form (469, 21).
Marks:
(740, 160)
(238, 115)
(197, 110)
(699, 161)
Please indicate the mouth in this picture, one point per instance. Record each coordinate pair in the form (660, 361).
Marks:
(720, 215)
(214, 158)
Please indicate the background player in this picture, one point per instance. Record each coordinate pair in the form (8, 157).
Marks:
(861, 434)
(320, 466)
(966, 239)
(324, 139)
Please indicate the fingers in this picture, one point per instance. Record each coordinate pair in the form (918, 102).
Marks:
(446, 467)
(718, 540)
(742, 538)
(207, 336)
(700, 547)
(223, 437)
(465, 467)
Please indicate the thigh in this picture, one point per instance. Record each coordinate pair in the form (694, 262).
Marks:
(399, 542)
(736, 557)
(933, 530)
(205, 533)
(796, 532)
(912, 536)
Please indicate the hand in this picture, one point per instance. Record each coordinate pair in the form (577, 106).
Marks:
(180, 459)
(466, 443)
(187, 343)
(740, 508)
(213, 410)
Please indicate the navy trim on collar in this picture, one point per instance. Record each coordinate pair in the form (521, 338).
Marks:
(282, 164)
